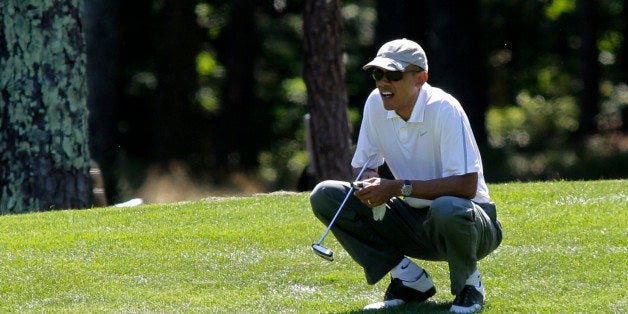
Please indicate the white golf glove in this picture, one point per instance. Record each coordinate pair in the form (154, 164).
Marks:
(379, 212)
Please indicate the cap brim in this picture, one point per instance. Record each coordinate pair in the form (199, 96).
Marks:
(385, 63)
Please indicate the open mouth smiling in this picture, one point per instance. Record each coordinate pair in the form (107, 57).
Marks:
(386, 94)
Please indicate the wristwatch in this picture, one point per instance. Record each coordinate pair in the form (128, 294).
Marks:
(406, 188)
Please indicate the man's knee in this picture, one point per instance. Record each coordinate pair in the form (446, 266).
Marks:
(449, 209)
(324, 196)
(317, 198)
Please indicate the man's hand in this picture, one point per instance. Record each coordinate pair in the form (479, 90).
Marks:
(373, 194)
(375, 191)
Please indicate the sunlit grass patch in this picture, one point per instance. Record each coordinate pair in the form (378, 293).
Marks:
(564, 250)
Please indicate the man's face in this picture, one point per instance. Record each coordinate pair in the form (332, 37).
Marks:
(399, 90)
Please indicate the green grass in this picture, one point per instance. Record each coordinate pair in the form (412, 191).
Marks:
(564, 250)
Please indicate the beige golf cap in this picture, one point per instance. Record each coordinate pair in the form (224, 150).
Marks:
(396, 55)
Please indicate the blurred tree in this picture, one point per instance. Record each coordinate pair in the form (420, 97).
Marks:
(243, 127)
(101, 26)
(623, 61)
(400, 18)
(590, 68)
(281, 93)
(623, 55)
(44, 153)
(456, 62)
(242, 109)
(159, 120)
(324, 76)
(553, 75)
(174, 107)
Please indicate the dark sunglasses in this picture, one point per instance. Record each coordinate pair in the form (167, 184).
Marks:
(392, 76)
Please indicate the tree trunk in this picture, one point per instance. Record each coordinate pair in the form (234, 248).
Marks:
(324, 76)
(44, 154)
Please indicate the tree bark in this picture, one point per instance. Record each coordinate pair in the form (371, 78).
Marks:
(44, 153)
(324, 76)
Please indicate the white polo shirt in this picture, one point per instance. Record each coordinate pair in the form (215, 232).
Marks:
(436, 142)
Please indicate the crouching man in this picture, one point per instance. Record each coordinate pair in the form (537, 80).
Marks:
(436, 208)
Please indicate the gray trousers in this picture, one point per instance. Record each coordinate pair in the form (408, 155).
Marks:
(452, 229)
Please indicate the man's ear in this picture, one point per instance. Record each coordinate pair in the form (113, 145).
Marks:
(422, 78)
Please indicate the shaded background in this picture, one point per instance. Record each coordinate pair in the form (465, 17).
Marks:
(190, 99)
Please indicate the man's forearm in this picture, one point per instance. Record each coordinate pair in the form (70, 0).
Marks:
(460, 186)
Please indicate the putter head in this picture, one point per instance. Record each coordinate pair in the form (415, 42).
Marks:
(323, 252)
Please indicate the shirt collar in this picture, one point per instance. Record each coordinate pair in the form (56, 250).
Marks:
(418, 112)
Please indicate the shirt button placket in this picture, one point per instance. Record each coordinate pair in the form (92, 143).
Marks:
(403, 133)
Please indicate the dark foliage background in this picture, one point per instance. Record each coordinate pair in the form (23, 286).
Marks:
(192, 98)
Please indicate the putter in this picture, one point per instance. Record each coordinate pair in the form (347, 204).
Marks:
(317, 247)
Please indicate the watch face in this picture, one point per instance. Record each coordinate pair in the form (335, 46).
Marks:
(406, 189)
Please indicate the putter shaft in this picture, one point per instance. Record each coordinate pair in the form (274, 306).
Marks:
(344, 201)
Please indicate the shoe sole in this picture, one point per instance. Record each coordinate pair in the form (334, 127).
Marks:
(397, 302)
(384, 305)
(471, 309)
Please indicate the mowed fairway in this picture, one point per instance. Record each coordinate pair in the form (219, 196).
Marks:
(565, 250)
